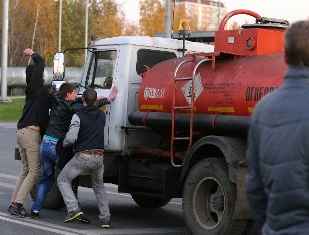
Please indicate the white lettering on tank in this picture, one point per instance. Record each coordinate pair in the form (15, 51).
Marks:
(154, 93)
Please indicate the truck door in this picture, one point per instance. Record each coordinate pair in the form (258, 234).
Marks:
(100, 75)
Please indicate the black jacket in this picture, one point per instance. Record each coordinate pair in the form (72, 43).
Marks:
(38, 98)
(61, 115)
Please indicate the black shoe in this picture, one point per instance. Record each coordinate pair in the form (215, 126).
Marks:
(105, 223)
(35, 214)
(19, 211)
(73, 215)
(13, 204)
(10, 209)
(83, 219)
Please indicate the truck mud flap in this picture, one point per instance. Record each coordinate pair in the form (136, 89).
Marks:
(154, 179)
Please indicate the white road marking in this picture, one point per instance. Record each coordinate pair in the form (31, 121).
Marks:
(8, 176)
(39, 225)
(70, 231)
(83, 189)
(6, 185)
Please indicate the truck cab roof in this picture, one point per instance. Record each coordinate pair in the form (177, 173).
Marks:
(154, 42)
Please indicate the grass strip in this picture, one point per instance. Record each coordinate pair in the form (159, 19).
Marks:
(11, 111)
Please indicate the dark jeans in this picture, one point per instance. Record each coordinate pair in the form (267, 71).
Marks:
(48, 158)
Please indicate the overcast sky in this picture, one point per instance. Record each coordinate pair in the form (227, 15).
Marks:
(291, 10)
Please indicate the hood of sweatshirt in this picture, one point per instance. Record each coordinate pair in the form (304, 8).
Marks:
(92, 112)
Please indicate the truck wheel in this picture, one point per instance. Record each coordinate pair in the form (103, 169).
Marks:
(150, 202)
(209, 199)
(53, 200)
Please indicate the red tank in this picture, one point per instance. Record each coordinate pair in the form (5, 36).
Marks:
(248, 64)
(234, 87)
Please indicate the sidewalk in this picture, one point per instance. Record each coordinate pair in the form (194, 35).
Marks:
(8, 124)
(17, 97)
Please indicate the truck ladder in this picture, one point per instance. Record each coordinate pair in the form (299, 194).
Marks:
(190, 107)
(210, 57)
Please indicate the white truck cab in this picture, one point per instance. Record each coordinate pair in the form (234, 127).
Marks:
(121, 61)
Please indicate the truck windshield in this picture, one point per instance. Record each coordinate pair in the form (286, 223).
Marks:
(101, 69)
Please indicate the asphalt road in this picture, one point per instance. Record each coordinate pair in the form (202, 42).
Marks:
(127, 217)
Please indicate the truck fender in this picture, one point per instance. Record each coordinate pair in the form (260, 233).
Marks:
(234, 151)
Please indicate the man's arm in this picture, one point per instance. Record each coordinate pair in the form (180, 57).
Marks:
(112, 95)
(36, 79)
(72, 133)
(101, 101)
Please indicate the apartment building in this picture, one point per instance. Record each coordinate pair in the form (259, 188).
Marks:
(207, 13)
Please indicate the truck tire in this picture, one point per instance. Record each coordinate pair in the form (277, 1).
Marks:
(209, 199)
(53, 200)
(150, 202)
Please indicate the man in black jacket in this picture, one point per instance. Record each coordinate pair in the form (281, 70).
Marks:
(31, 127)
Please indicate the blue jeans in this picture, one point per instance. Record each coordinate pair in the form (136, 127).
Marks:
(48, 158)
(78, 165)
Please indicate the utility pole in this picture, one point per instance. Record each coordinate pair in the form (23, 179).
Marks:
(168, 30)
(219, 13)
(86, 30)
(4, 48)
(60, 24)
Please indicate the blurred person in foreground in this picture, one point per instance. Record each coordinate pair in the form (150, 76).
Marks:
(277, 183)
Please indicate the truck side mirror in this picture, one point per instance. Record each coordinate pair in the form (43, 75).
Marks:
(58, 72)
(55, 85)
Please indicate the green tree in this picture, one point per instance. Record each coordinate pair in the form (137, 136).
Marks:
(35, 24)
(152, 16)
(73, 31)
(45, 33)
(104, 20)
(107, 20)
(37, 30)
(130, 30)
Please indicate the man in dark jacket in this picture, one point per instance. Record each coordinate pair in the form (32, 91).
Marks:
(278, 145)
(87, 134)
(63, 108)
(31, 127)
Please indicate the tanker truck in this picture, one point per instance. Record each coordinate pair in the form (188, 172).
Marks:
(178, 126)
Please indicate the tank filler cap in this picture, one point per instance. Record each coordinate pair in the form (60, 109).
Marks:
(265, 22)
